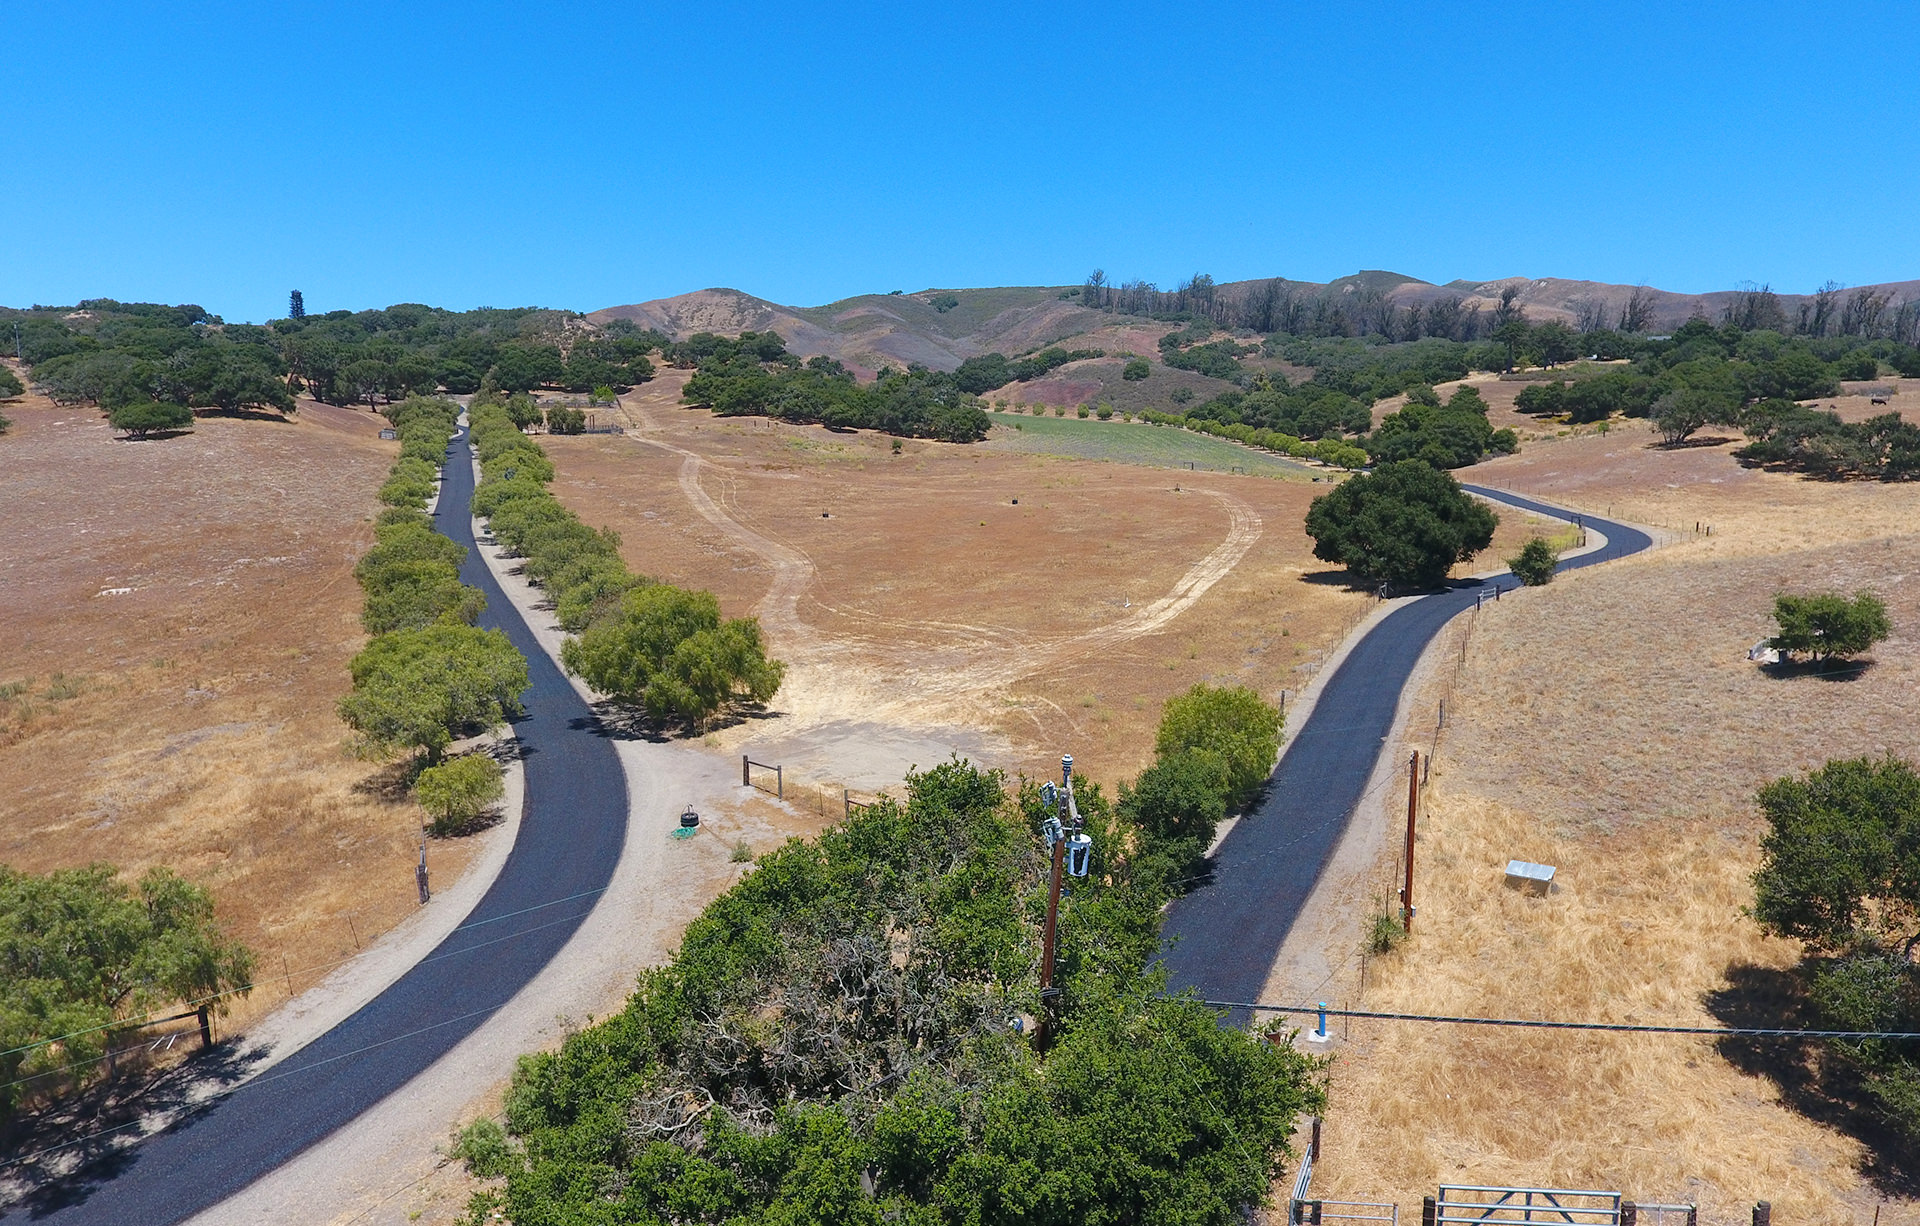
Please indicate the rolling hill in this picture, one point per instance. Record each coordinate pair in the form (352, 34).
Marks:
(941, 328)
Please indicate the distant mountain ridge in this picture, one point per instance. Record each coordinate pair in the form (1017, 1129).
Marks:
(940, 328)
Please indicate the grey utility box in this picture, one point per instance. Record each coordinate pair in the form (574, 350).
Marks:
(1530, 878)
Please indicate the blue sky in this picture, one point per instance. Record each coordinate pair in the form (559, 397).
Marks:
(585, 154)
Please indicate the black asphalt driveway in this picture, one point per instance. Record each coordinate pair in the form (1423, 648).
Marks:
(1222, 939)
(570, 839)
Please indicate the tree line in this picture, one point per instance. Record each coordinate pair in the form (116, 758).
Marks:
(1278, 306)
(842, 1037)
(665, 649)
(429, 675)
(754, 374)
(121, 356)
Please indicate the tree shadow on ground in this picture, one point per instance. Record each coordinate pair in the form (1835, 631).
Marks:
(393, 782)
(623, 721)
(153, 436)
(247, 414)
(73, 1145)
(1825, 670)
(1685, 444)
(1812, 1081)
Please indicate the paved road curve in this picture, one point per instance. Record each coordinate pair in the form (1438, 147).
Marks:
(570, 839)
(1222, 940)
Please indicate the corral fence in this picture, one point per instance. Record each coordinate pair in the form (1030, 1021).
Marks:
(1305, 1211)
(748, 766)
(1469, 1203)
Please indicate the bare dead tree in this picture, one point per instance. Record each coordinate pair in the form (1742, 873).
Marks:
(1589, 314)
(1637, 314)
(1864, 311)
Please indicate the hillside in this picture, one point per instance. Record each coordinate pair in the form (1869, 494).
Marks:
(873, 330)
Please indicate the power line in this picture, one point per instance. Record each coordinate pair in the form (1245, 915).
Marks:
(1719, 1031)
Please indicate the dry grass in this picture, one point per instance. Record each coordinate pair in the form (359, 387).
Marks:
(926, 598)
(1610, 725)
(187, 720)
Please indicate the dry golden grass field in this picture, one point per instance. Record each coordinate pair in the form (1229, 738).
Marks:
(179, 616)
(1611, 725)
(1053, 604)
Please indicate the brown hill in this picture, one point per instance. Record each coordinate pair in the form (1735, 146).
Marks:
(936, 328)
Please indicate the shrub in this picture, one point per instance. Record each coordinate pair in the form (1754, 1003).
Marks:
(1829, 625)
(1385, 931)
(565, 421)
(1535, 563)
(144, 417)
(484, 1147)
(1403, 525)
(10, 385)
(1104, 412)
(1136, 370)
(1228, 728)
(457, 792)
(1082, 412)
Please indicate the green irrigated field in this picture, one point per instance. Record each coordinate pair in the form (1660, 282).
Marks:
(1137, 443)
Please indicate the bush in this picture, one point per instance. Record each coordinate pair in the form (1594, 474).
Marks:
(1403, 525)
(1104, 412)
(1829, 624)
(484, 1147)
(10, 384)
(1535, 563)
(144, 417)
(457, 792)
(1228, 728)
(1136, 370)
(565, 421)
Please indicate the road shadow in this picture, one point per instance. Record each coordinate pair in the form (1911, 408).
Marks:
(1812, 1080)
(71, 1147)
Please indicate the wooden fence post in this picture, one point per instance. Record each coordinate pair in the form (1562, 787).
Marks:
(1429, 1211)
(206, 1029)
(1763, 1213)
(1629, 1213)
(743, 770)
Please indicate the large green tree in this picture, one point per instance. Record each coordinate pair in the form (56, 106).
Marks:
(1230, 727)
(1829, 624)
(1404, 525)
(668, 650)
(1840, 870)
(416, 689)
(830, 1045)
(82, 952)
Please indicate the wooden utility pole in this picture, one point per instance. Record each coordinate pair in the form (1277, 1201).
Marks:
(1413, 812)
(1044, 1031)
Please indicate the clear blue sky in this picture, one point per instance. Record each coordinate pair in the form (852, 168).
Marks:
(587, 154)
